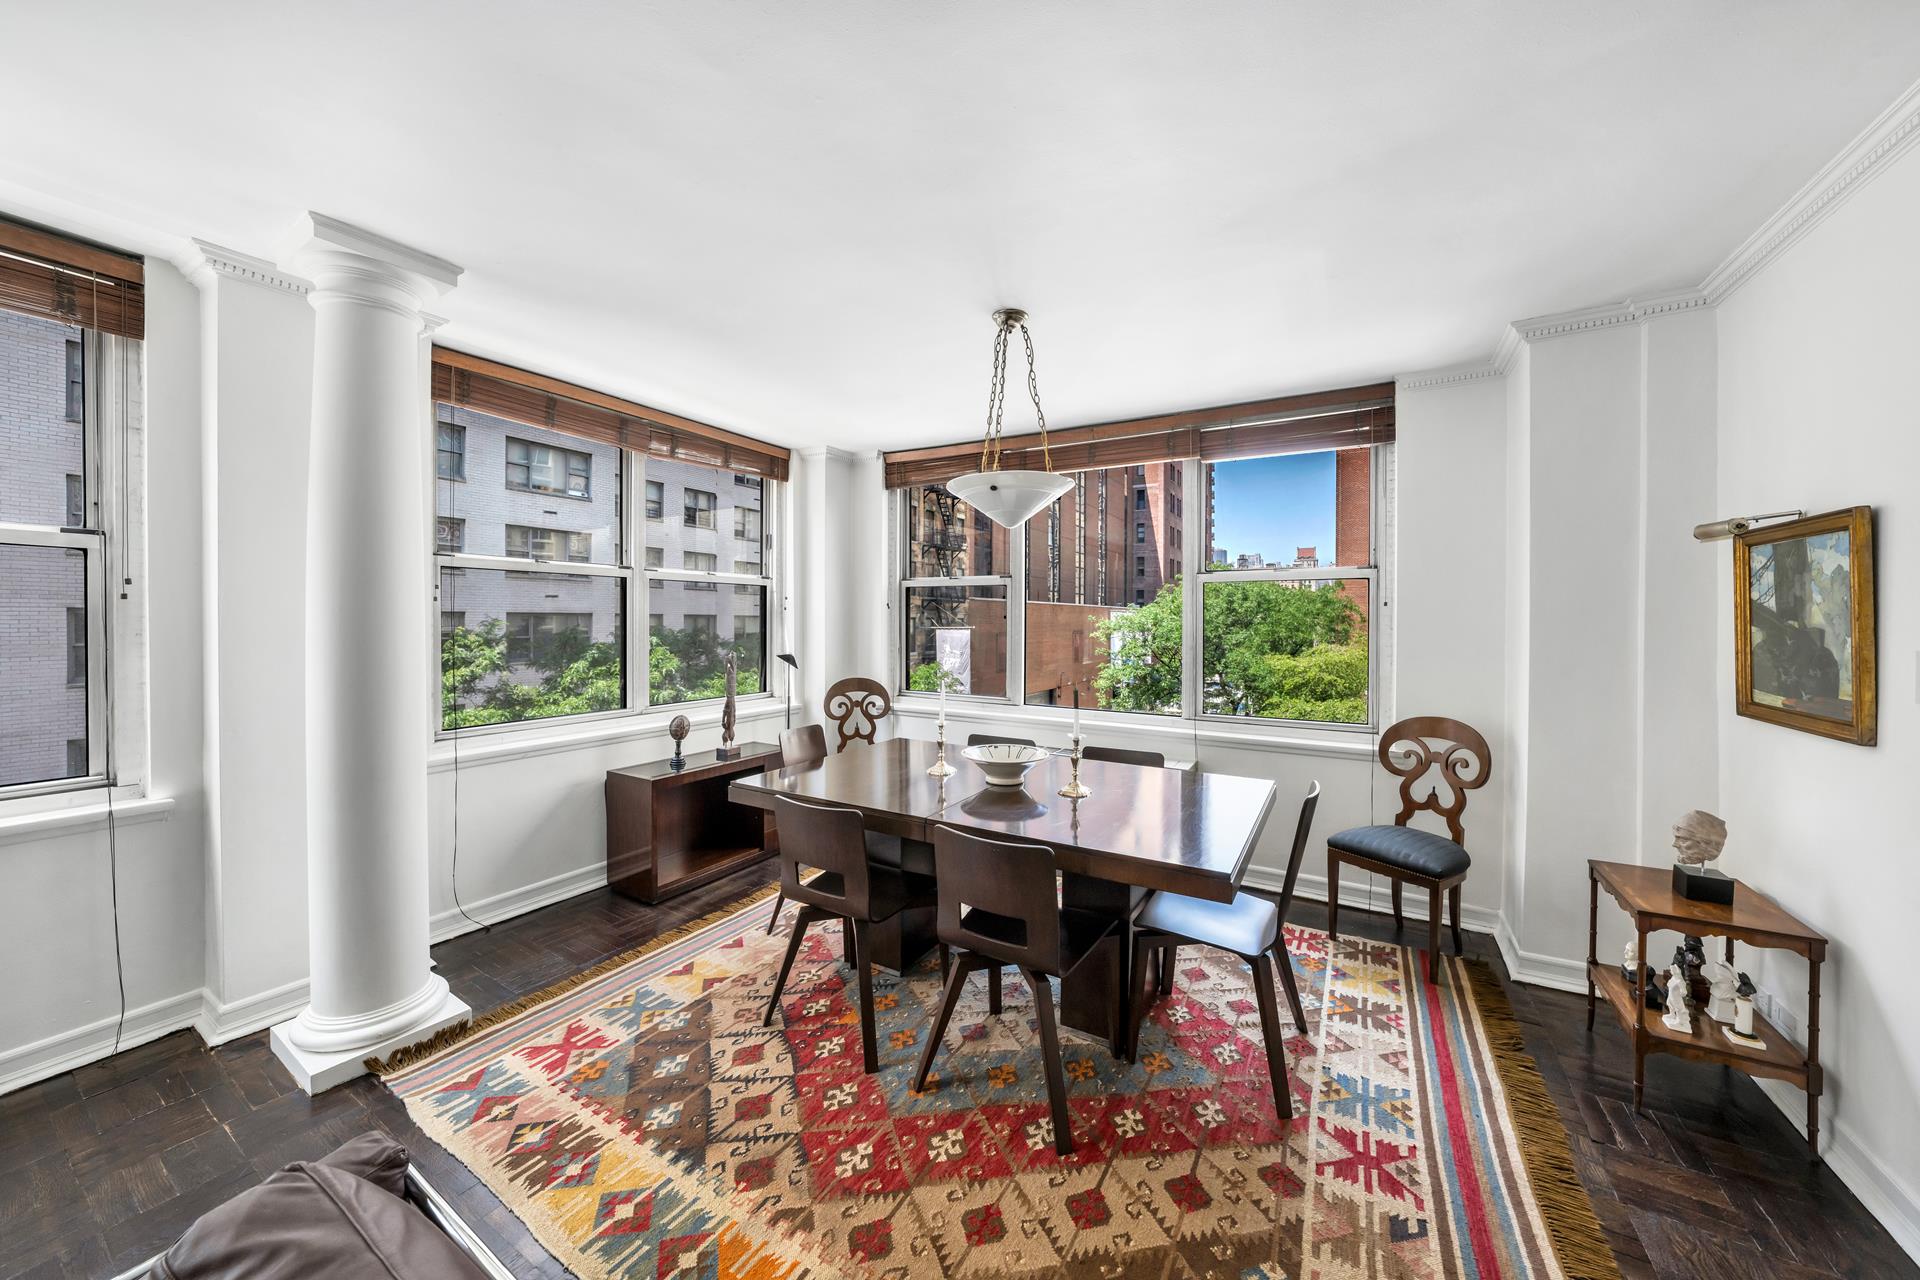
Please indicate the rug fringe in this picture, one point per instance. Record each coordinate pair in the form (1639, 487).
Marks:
(1572, 1225)
(414, 1055)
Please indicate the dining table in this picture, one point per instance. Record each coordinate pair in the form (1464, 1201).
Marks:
(1139, 829)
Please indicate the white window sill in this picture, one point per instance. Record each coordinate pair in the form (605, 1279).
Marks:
(535, 739)
(83, 811)
(1172, 731)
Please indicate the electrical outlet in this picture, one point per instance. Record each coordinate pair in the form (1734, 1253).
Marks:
(1783, 1019)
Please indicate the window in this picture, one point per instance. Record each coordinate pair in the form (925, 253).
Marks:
(746, 523)
(746, 481)
(536, 642)
(698, 505)
(76, 502)
(1139, 499)
(76, 381)
(449, 535)
(546, 639)
(538, 468)
(76, 646)
(699, 562)
(1282, 634)
(527, 542)
(76, 757)
(450, 461)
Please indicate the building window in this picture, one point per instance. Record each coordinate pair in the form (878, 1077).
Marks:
(450, 458)
(76, 381)
(76, 503)
(1282, 635)
(698, 505)
(655, 621)
(746, 524)
(76, 646)
(656, 499)
(746, 481)
(449, 535)
(536, 639)
(76, 757)
(750, 568)
(698, 562)
(540, 468)
(656, 556)
(527, 542)
(451, 620)
(704, 624)
(1139, 499)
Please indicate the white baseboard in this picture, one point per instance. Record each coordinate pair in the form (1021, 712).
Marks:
(69, 1049)
(516, 902)
(1537, 969)
(1880, 1189)
(220, 1022)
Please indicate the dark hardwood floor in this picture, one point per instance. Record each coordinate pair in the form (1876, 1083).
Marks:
(104, 1166)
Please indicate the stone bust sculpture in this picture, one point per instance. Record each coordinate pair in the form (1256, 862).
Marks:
(1698, 838)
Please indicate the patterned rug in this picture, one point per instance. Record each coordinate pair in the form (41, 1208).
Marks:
(642, 1123)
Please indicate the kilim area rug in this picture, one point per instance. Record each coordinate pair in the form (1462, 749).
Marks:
(642, 1123)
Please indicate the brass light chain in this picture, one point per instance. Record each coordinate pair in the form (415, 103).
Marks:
(997, 393)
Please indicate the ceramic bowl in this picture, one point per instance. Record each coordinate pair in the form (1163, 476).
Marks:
(1005, 763)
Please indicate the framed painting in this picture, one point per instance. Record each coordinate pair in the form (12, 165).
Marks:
(1803, 625)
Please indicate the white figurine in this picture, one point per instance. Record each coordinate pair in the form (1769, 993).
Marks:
(1630, 957)
(1720, 1005)
(1676, 1015)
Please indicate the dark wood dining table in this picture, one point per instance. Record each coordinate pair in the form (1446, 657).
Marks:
(1140, 829)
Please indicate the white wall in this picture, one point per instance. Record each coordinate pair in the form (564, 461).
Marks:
(1817, 353)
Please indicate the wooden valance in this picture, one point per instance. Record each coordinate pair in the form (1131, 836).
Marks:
(506, 392)
(1343, 419)
(58, 278)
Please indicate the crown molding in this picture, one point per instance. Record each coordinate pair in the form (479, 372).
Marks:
(1865, 158)
(206, 260)
(1450, 376)
(319, 238)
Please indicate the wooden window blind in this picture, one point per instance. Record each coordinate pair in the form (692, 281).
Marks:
(540, 401)
(1343, 419)
(57, 278)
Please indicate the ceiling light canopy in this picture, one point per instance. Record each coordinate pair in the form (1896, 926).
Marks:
(1009, 498)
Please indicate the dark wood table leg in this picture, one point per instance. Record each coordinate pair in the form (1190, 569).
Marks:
(1639, 1024)
(1091, 995)
(1815, 1082)
(1593, 938)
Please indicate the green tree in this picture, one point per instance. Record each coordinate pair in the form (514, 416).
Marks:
(925, 678)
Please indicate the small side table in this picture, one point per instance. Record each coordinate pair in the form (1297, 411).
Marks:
(1646, 894)
(670, 830)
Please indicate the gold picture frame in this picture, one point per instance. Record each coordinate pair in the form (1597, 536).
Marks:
(1803, 625)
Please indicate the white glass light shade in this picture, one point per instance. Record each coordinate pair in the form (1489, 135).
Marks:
(1009, 498)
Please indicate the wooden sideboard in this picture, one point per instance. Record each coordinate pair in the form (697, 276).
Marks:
(670, 830)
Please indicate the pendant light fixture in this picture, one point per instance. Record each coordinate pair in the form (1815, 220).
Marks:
(1009, 498)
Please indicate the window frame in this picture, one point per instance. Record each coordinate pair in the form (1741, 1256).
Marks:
(508, 464)
(1191, 494)
(636, 598)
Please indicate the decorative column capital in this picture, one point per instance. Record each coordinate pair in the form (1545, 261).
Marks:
(348, 263)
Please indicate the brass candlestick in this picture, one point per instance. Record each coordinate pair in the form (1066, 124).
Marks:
(1075, 790)
(941, 769)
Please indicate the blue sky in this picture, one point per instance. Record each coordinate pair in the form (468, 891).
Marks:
(1275, 505)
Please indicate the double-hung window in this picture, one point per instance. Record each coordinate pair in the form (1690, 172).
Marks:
(522, 643)
(70, 406)
(1110, 594)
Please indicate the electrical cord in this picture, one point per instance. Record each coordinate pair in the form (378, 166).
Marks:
(453, 869)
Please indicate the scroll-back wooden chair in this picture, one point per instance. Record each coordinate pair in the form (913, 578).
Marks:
(857, 705)
(1412, 749)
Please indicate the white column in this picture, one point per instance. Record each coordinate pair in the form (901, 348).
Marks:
(368, 697)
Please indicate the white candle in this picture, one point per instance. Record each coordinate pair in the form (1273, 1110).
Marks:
(943, 696)
(1076, 713)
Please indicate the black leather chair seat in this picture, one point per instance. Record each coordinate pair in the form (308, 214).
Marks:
(1246, 926)
(1410, 849)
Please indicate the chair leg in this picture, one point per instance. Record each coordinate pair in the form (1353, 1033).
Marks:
(1433, 934)
(946, 963)
(800, 923)
(1169, 954)
(1453, 914)
(846, 943)
(1333, 895)
(948, 999)
(862, 961)
(1137, 999)
(993, 989)
(1270, 1032)
(1398, 922)
(1285, 963)
(779, 904)
(1050, 1054)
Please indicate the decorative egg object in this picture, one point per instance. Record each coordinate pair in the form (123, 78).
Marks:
(678, 728)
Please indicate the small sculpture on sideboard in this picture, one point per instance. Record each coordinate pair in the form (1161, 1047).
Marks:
(1698, 838)
(726, 749)
(678, 728)
(1677, 1015)
(1743, 1006)
(1720, 1000)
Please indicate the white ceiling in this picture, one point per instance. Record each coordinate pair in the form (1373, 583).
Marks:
(793, 218)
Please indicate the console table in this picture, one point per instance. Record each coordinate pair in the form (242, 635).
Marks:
(670, 830)
(1646, 894)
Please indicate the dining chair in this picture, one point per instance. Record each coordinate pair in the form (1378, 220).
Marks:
(1407, 854)
(804, 745)
(829, 840)
(857, 705)
(989, 739)
(1125, 755)
(997, 907)
(1249, 927)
